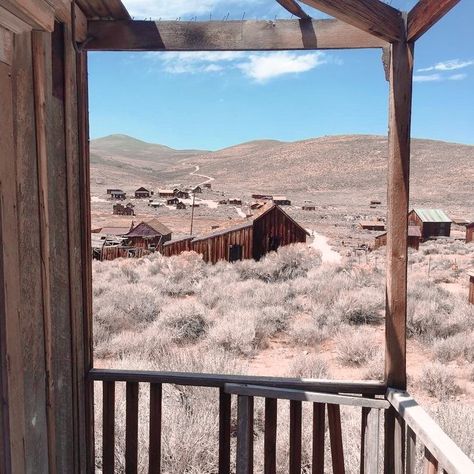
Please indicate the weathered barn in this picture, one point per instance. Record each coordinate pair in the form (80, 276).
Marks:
(48, 379)
(121, 210)
(268, 230)
(432, 222)
(182, 194)
(235, 201)
(470, 232)
(177, 246)
(373, 225)
(150, 235)
(471, 287)
(143, 193)
(118, 194)
(281, 201)
(414, 238)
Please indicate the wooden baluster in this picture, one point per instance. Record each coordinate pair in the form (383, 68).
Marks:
(244, 435)
(394, 442)
(319, 429)
(335, 435)
(131, 429)
(411, 451)
(108, 427)
(154, 454)
(271, 414)
(430, 464)
(295, 437)
(369, 456)
(224, 431)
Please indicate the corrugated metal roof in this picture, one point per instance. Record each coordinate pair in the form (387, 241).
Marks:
(432, 215)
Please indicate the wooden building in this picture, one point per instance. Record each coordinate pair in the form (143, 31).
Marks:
(207, 185)
(150, 235)
(267, 231)
(309, 207)
(143, 193)
(235, 201)
(177, 246)
(414, 238)
(262, 197)
(165, 193)
(48, 379)
(281, 201)
(182, 194)
(373, 225)
(118, 194)
(470, 232)
(121, 210)
(471, 287)
(172, 201)
(180, 205)
(432, 222)
(197, 190)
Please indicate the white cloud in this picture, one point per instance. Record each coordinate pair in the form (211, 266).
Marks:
(457, 77)
(260, 67)
(170, 10)
(438, 77)
(450, 65)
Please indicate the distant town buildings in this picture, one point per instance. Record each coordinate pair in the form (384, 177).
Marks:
(432, 222)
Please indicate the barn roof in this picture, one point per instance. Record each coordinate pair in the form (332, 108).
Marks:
(114, 230)
(151, 228)
(142, 189)
(432, 215)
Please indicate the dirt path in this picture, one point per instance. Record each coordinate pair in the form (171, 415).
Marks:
(320, 242)
(208, 179)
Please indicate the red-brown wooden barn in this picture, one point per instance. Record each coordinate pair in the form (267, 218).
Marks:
(150, 235)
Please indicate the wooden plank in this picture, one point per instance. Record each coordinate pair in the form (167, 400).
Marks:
(246, 35)
(425, 14)
(394, 444)
(104, 9)
(29, 241)
(372, 16)
(216, 380)
(335, 435)
(131, 428)
(319, 431)
(64, 10)
(401, 81)
(12, 23)
(36, 13)
(370, 441)
(411, 452)
(224, 431)
(304, 396)
(430, 465)
(294, 8)
(108, 428)
(6, 46)
(12, 401)
(41, 47)
(86, 252)
(270, 436)
(295, 437)
(244, 459)
(154, 448)
(429, 433)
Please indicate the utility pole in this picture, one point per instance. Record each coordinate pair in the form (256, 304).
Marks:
(192, 213)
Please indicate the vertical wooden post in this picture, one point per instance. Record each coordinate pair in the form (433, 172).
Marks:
(401, 74)
(401, 82)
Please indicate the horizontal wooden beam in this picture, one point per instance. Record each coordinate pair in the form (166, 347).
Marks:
(294, 8)
(36, 13)
(429, 433)
(227, 36)
(217, 380)
(305, 396)
(371, 16)
(425, 14)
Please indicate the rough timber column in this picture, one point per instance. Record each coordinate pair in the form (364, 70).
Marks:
(401, 81)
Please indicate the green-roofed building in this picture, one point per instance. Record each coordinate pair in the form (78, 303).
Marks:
(432, 222)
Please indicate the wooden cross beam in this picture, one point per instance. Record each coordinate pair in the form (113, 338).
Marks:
(425, 14)
(294, 8)
(130, 35)
(371, 16)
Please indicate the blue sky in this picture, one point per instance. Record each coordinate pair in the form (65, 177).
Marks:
(214, 100)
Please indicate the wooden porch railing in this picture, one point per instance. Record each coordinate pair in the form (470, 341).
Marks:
(324, 396)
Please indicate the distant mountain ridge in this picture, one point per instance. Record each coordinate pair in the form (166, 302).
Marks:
(349, 164)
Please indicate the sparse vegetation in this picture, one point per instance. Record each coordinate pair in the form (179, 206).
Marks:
(438, 381)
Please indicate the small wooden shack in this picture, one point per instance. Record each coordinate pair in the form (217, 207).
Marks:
(166, 193)
(470, 232)
(143, 193)
(414, 237)
(182, 194)
(373, 225)
(150, 235)
(172, 201)
(281, 201)
(118, 194)
(309, 207)
(207, 185)
(180, 205)
(432, 222)
(263, 197)
(235, 201)
(121, 210)
(197, 190)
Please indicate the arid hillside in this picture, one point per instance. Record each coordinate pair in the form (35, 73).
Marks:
(333, 169)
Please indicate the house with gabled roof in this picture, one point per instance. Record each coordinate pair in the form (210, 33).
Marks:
(432, 222)
(151, 235)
